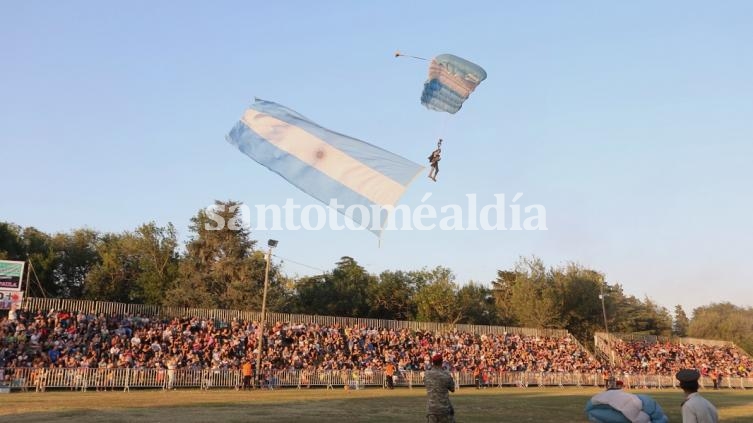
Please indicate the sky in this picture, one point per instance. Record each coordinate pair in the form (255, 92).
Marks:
(630, 123)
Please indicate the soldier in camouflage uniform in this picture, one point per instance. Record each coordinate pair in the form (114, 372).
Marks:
(439, 384)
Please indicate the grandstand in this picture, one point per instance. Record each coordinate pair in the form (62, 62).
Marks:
(650, 360)
(80, 345)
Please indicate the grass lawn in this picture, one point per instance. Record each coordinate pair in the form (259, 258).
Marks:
(322, 406)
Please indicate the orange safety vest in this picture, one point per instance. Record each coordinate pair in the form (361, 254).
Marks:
(247, 369)
(390, 370)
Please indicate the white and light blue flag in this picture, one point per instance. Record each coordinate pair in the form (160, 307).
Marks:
(324, 164)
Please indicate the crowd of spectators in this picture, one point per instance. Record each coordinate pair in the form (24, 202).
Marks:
(56, 338)
(662, 358)
(78, 339)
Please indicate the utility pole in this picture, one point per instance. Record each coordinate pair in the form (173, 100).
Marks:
(28, 279)
(271, 244)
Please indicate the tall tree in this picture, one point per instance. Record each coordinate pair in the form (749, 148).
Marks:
(653, 319)
(158, 259)
(581, 288)
(392, 297)
(352, 285)
(30, 244)
(135, 266)
(76, 254)
(724, 321)
(536, 300)
(221, 268)
(502, 289)
(11, 247)
(681, 322)
(313, 295)
(43, 259)
(629, 314)
(436, 299)
(346, 291)
(476, 305)
(114, 277)
(621, 309)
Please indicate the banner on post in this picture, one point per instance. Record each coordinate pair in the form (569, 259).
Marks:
(11, 274)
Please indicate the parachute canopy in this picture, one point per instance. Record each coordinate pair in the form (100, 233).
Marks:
(451, 81)
(618, 406)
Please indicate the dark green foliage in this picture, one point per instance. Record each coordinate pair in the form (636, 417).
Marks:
(223, 268)
(681, 322)
(724, 321)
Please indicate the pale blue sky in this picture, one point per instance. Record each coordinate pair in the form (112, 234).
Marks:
(630, 122)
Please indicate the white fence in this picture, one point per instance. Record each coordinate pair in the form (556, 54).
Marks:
(41, 379)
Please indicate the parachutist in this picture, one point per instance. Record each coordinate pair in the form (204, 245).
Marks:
(434, 159)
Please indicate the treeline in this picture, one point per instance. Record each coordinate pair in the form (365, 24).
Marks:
(224, 268)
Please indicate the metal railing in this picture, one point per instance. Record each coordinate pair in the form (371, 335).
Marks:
(83, 379)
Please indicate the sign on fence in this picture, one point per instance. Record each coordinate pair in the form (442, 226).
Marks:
(11, 273)
(9, 298)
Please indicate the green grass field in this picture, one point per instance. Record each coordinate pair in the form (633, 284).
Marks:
(321, 406)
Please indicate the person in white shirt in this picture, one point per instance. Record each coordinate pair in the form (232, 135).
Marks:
(12, 314)
(695, 408)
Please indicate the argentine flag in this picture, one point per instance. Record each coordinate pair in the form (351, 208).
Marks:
(325, 164)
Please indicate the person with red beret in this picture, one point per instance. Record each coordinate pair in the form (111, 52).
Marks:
(439, 384)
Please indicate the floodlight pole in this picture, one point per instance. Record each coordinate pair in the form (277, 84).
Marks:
(606, 326)
(603, 307)
(271, 244)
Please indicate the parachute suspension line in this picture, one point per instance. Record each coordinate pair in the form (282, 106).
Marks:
(398, 54)
(443, 126)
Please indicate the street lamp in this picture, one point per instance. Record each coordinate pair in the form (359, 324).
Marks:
(272, 243)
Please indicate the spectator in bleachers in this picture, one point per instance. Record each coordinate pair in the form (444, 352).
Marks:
(79, 340)
(664, 358)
